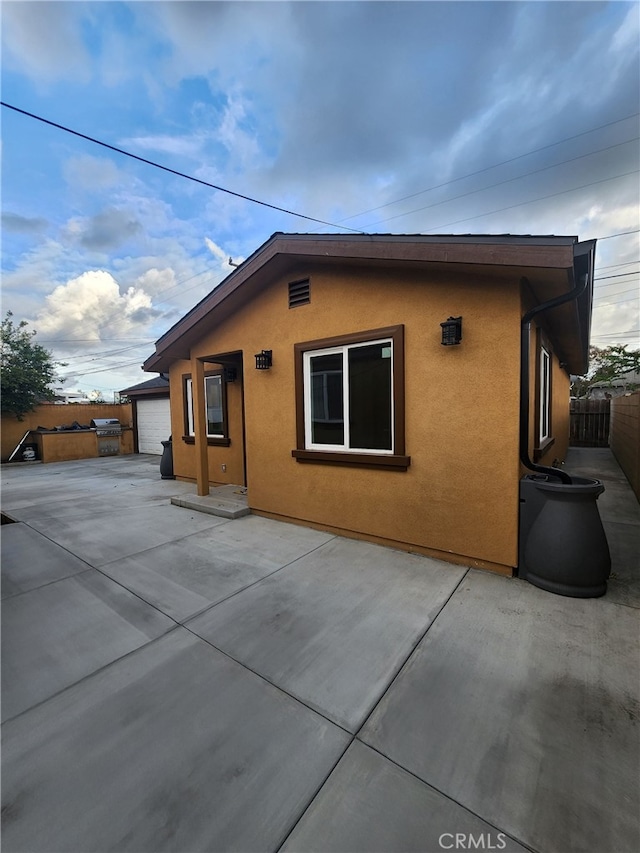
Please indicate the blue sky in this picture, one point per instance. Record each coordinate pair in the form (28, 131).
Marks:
(402, 117)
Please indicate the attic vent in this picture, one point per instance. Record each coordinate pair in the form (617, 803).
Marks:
(299, 293)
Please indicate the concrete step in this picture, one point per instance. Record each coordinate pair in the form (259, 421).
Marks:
(226, 501)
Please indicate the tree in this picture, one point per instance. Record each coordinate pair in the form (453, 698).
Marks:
(605, 365)
(28, 369)
(611, 363)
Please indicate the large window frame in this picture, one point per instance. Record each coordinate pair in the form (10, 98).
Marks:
(219, 437)
(308, 450)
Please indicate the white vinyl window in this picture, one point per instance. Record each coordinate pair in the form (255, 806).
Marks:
(348, 397)
(214, 406)
(544, 433)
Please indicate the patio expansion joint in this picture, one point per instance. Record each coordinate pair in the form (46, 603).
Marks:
(95, 569)
(91, 675)
(249, 585)
(411, 652)
(447, 796)
(48, 583)
(356, 737)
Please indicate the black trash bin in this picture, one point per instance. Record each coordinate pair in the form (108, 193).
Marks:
(166, 463)
(563, 547)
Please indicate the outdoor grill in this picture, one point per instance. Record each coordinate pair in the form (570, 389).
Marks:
(108, 432)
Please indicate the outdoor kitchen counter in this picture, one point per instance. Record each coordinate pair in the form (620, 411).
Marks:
(65, 445)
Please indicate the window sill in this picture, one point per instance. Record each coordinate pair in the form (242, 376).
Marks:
(540, 451)
(212, 442)
(391, 462)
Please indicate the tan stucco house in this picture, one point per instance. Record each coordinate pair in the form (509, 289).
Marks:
(371, 385)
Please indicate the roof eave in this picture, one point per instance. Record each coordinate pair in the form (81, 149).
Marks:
(487, 250)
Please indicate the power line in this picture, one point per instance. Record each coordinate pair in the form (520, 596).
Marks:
(80, 372)
(96, 355)
(626, 264)
(621, 293)
(87, 340)
(488, 168)
(501, 183)
(617, 334)
(621, 233)
(173, 171)
(619, 275)
(543, 198)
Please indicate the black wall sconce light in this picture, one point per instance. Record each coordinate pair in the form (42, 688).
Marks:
(264, 359)
(451, 331)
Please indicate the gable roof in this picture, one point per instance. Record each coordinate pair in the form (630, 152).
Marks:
(157, 386)
(552, 264)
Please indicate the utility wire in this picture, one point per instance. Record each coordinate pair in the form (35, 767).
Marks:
(501, 183)
(94, 356)
(543, 198)
(621, 233)
(620, 275)
(488, 168)
(620, 293)
(617, 302)
(627, 264)
(80, 372)
(174, 171)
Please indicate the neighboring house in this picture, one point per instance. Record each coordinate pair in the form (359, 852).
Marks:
(63, 397)
(624, 384)
(315, 374)
(151, 414)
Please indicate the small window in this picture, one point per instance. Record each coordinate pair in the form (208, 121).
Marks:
(544, 424)
(215, 404)
(350, 399)
(299, 293)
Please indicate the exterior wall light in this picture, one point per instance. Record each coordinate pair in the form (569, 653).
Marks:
(230, 374)
(451, 331)
(264, 359)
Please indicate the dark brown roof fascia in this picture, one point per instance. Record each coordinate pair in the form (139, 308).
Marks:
(485, 250)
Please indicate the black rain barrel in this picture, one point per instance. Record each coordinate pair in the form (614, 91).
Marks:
(166, 463)
(563, 546)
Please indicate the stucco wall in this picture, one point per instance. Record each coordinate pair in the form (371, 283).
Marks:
(459, 497)
(51, 415)
(624, 437)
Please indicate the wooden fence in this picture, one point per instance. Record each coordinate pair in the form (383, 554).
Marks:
(589, 423)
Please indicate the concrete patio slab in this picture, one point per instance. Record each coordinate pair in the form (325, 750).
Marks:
(620, 514)
(517, 708)
(184, 578)
(101, 540)
(334, 627)
(30, 560)
(175, 748)
(521, 705)
(368, 804)
(89, 504)
(623, 586)
(75, 626)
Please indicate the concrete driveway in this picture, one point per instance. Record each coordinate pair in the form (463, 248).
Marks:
(173, 680)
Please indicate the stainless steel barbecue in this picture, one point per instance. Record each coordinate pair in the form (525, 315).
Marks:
(108, 432)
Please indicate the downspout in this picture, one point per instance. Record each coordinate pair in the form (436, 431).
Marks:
(525, 358)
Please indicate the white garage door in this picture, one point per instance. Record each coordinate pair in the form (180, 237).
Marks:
(154, 425)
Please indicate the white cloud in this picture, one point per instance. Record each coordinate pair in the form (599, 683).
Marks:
(223, 257)
(183, 146)
(215, 250)
(91, 307)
